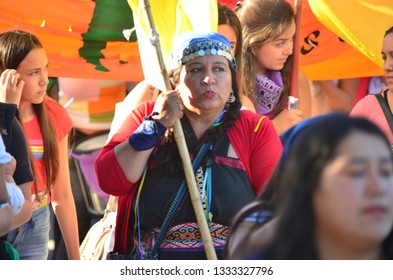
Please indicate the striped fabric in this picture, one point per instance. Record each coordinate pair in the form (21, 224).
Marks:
(183, 237)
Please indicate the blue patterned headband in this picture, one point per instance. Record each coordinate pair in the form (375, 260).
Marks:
(191, 45)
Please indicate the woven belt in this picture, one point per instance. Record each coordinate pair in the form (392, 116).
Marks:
(184, 237)
(40, 200)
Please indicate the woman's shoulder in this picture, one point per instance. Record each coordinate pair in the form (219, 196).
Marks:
(365, 105)
(54, 107)
(58, 115)
(249, 121)
(249, 116)
(370, 98)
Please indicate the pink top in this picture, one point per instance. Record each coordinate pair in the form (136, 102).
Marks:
(369, 108)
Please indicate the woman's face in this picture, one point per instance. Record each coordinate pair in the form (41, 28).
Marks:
(33, 71)
(205, 83)
(354, 200)
(230, 34)
(387, 55)
(273, 54)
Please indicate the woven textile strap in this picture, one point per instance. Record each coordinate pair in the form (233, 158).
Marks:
(153, 254)
(185, 237)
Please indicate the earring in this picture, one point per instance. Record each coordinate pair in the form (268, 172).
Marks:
(231, 98)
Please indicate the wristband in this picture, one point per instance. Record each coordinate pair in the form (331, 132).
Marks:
(147, 134)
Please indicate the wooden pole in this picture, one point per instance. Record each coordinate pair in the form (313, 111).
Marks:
(296, 42)
(182, 146)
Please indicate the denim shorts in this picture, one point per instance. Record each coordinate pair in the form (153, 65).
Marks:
(31, 239)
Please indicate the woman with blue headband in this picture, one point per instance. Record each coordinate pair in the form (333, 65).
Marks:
(233, 153)
(229, 26)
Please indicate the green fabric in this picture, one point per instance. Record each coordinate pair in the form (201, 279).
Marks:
(52, 81)
(11, 251)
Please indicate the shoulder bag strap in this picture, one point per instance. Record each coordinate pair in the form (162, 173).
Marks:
(386, 110)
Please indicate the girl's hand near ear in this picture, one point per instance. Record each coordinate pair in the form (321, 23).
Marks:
(11, 87)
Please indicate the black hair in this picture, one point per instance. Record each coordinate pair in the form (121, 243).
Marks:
(291, 195)
(390, 30)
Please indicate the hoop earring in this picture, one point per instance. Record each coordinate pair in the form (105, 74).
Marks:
(231, 98)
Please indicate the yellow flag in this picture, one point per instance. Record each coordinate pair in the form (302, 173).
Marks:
(171, 18)
(360, 23)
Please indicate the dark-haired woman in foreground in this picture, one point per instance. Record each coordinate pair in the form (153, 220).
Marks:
(331, 197)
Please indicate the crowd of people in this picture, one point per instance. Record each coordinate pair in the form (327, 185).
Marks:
(275, 181)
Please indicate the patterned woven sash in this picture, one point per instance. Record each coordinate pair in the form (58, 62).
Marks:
(183, 237)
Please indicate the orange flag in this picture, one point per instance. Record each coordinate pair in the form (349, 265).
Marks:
(363, 28)
(85, 39)
(324, 53)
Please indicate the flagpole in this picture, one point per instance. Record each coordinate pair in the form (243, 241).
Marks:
(182, 146)
(295, 60)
